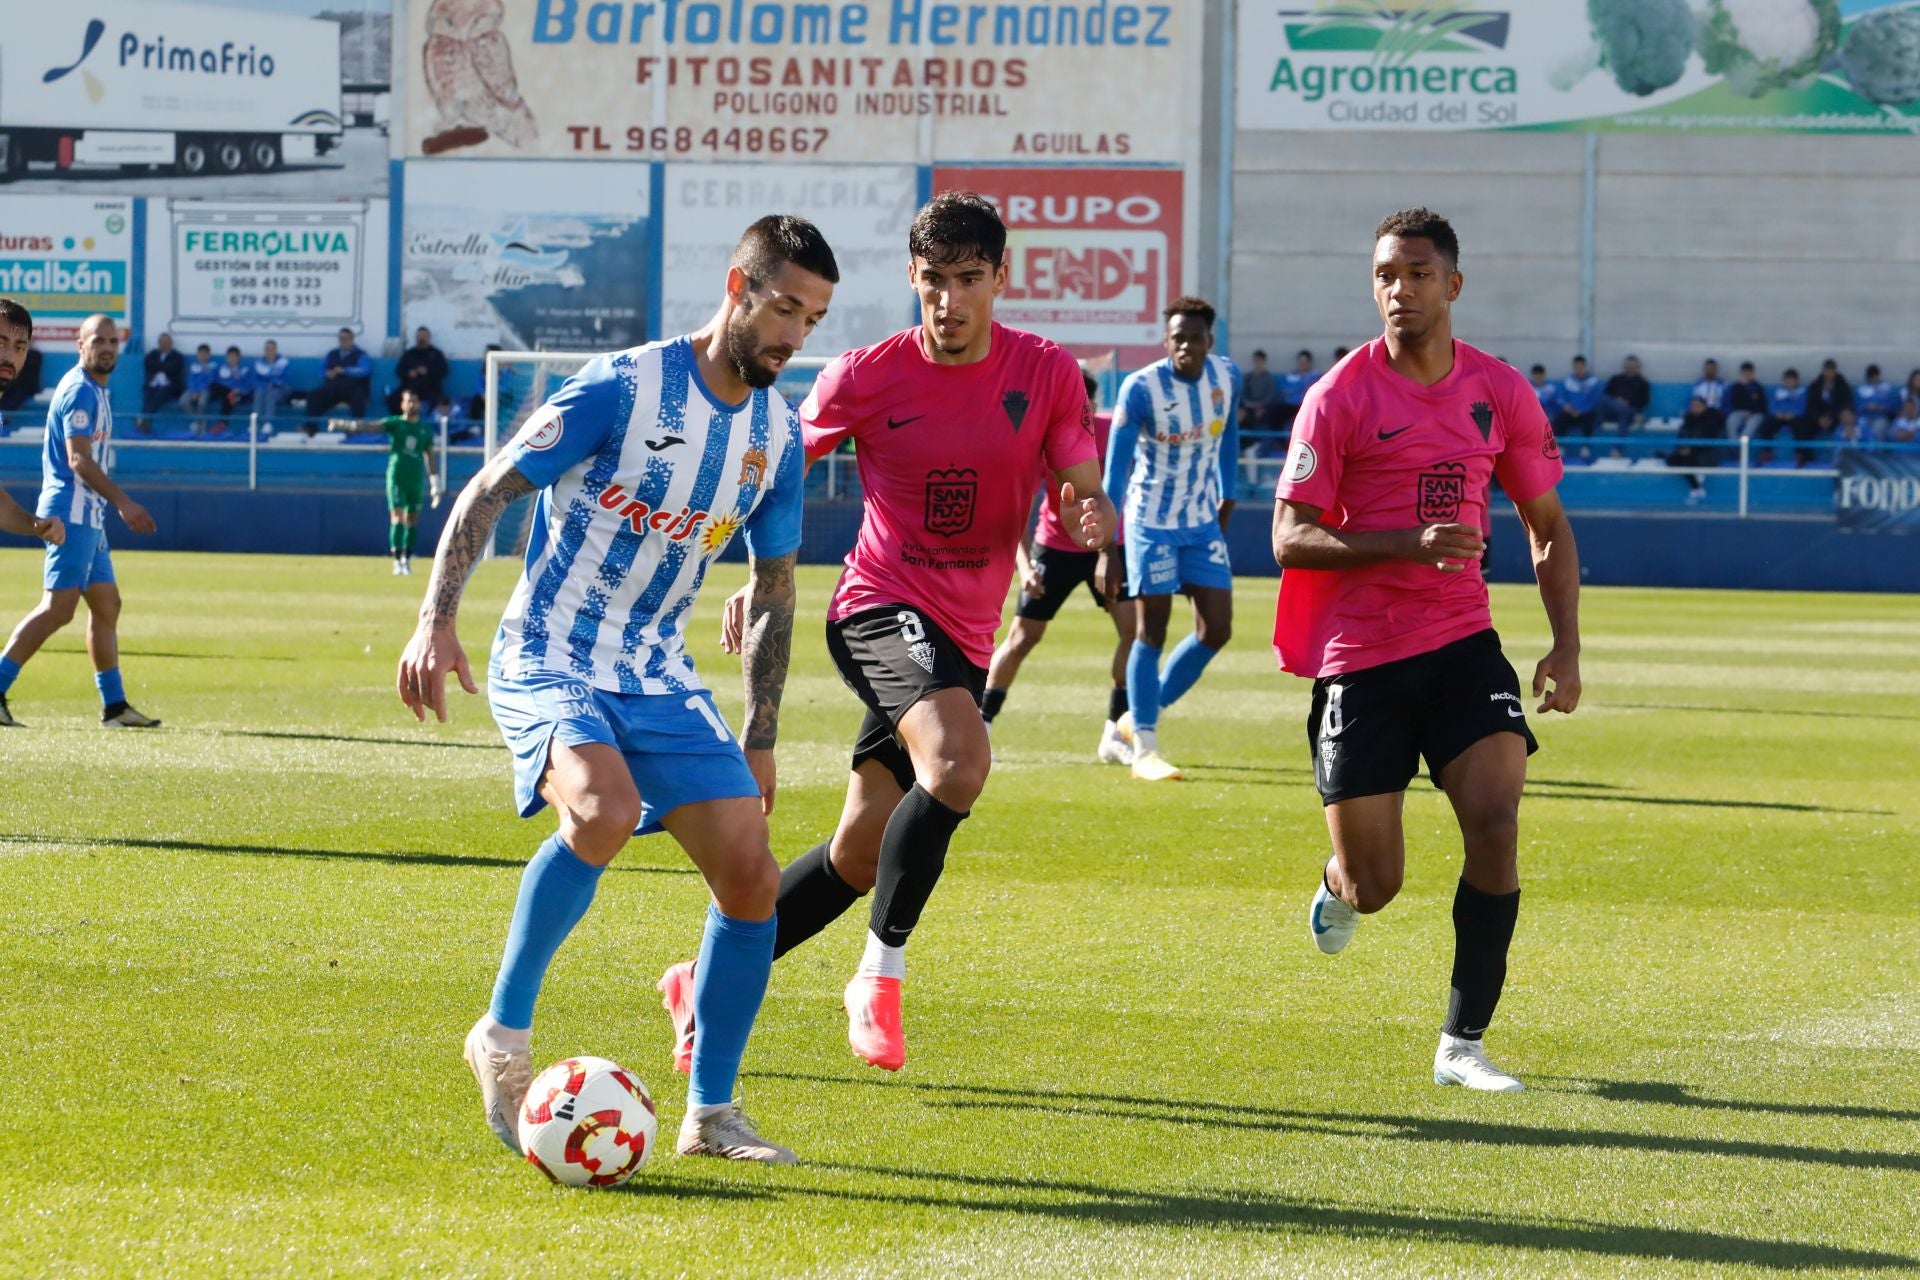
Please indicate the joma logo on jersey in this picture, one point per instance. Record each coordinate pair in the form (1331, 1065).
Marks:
(950, 498)
(676, 526)
(1442, 490)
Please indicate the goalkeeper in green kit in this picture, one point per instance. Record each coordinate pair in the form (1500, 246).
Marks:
(410, 476)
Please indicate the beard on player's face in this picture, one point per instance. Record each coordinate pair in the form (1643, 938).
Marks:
(748, 356)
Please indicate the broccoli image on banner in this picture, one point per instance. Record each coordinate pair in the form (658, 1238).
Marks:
(1644, 43)
(1881, 57)
(1763, 45)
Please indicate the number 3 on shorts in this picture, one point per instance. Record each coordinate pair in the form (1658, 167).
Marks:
(712, 717)
(911, 629)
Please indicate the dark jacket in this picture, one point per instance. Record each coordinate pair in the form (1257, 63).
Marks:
(170, 363)
(1631, 389)
(1825, 401)
(423, 370)
(1749, 397)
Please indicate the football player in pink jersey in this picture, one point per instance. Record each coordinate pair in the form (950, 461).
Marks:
(953, 418)
(1378, 527)
(1051, 567)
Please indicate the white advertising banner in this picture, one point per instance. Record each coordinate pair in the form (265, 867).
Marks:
(1802, 66)
(891, 81)
(243, 271)
(64, 258)
(863, 210)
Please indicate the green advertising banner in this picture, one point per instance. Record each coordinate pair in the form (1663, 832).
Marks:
(1751, 66)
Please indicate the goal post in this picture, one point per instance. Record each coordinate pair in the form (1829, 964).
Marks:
(518, 382)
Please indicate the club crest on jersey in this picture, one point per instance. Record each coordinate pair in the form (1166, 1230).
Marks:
(1015, 405)
(1219, 403)
(1304, 462)
(1442, 490)
(1550, 445)
(753, 468)
(675, 526)
(542, 429)
(1483, 418)
(950, 499)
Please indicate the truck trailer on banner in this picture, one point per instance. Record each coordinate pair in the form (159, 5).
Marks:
(194, 89)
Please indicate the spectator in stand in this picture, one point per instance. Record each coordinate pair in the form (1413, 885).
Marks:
(1913, 386)
(422, 370)
(1623, 404)
(1906, 427)
(166, 375)
(269, 383)
(1257, 394)
(232, 387)
(1703, 422)
(1875, 403)
(348, 381)
(199, 390)
(1339, 354)
(1549, 392)
(1293, 388)
(1786, 407)
(1578, 412)
(1746, 403)
(454, 413)
(24, 387)
(1710, 388)
(1829, 409)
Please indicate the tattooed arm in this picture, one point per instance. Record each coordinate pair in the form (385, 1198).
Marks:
(766, 650)
(435, 648)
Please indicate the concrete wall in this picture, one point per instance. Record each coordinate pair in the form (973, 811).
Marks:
(1782, 250)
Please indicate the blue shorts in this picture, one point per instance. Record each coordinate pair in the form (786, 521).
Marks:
(678, 749)
(1162, 561)
(81, 561)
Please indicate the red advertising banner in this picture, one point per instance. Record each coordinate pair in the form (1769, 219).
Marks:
(1094, 254)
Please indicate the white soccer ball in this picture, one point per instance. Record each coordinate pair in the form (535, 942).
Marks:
(588, 1122)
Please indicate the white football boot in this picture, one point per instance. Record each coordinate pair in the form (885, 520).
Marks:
(1115, 747)
(504, 1079)
(1331, 920)
(729, 1135)
(1464, 1062)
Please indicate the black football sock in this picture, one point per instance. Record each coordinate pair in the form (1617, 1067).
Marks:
(912, 852)
(1482, 932)
(991, 704)
(812, 896)
(1116, 702)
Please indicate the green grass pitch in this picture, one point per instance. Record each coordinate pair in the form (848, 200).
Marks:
(238, 957)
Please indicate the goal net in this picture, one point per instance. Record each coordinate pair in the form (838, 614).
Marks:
(519, 382)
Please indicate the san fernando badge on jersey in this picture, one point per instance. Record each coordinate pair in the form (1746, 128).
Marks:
(950, 498)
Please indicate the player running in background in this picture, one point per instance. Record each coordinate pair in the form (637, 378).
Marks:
(74, 487)
(1050, 566)
(647, 462)
(16, 339)
(1175, 448)
(952, 419)
(410, 476)
(1378, 531)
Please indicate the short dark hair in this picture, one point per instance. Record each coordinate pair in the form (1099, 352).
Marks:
(1791, 373)
(1093, 383)
(203, 347)
(1746, 366)
(1303, 352)
(958, 226)
(1631, 357)
(1422, 223)
(15, 316)
(1873, 371)
(1829, 364)
(1259, 354)
(1189, 305)
(1539, 368)
(233, 351)
(780, 238)
(1579, 359)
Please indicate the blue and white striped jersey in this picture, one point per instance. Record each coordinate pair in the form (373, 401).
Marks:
(645, 477)
(80, 408)
(1174, 445)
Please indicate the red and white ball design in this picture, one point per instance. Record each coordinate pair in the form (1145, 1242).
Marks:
(588, 1122)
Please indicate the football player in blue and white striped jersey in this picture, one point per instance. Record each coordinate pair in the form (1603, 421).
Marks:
(1173, 452)
(647, 463)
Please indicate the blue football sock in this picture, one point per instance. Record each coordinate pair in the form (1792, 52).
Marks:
(108, 683)
(1143, 684)
(729, 981)
(9, 672)
(555, 891)
(1189, 659)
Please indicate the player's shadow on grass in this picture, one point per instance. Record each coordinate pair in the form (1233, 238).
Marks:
(1761, 711)
(1673, 1094)
(398, 857)
(1535, 792)
(1259, 1210)
(1404, 1128)
(440, 744)
(193, 657)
